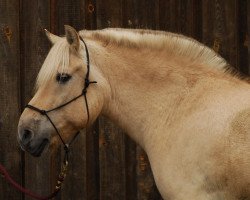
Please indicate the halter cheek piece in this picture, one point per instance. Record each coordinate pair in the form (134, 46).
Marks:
(84, 93)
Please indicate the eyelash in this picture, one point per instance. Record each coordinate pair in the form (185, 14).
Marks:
(62, 78)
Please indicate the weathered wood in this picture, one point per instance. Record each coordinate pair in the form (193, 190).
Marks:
(148, 17)
(110, 166)
(130, 14)
(165, 22)
(146, 188)
(130, 167)
(243, 37)
(112, 159)
(92, 163)
(130, 20)
(190, 18)
(224, 13)
(75, 183)
(181, 17)
(108, 13)
(34, 47)
(248, 34)
(230, 45)
(135, 17)
(10, 155)
(92, 136)
(67, 12)
(111, 149)
(197, 20)
(75, 186)
(90, 14)
(208, 22)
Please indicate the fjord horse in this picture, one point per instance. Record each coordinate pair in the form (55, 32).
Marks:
(171, 94)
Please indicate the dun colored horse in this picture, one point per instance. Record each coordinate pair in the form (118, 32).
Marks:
(171, 94)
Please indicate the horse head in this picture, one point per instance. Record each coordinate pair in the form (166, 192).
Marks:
(65, 100)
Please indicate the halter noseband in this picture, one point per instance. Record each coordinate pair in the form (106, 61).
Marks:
(84, 93)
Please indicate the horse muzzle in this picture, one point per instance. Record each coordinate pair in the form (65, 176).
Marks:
(28, 142)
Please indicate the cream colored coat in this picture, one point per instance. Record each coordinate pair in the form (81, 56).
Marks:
(172, 96)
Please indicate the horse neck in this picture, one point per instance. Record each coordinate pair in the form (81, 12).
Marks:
(136, 83)
(145, 87)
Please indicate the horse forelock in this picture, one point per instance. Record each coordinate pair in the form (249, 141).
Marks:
(56, 61)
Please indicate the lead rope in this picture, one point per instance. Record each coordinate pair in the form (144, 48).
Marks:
(64, 167)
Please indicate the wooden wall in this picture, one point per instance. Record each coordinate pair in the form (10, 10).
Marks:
(105, 163)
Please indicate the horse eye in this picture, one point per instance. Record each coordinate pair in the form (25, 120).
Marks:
(62, 77)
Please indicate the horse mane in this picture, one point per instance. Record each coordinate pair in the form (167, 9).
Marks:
(174, 44)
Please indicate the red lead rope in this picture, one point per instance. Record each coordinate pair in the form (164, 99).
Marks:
(6, 175)
(62, 175)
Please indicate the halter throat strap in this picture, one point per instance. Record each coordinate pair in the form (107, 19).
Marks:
(87, 82)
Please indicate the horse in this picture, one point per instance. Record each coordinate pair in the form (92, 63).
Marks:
(172, 95)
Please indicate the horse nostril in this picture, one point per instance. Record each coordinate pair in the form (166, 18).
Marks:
(26, 136)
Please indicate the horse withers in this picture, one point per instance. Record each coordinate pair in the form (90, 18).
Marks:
(171, 94)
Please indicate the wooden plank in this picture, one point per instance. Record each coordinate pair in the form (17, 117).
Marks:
(10, 155)
(90, 16)
(181, 16)
(190, 18)
(219, 19)
(230, 45)
(197, 20)
(130, 14)
(145, 182)
(243, 36)
(67, 12)
(144, 186)
(92, 137)
(130, 18)
(111, 145)
(165, 22)
(76, 184)
(112, 159)
(135, 17)
(148, 18)
(108, 13)
(139, 181)
(130, 167)
(34, 47)
(207, 22)
(248, 31)
(92, 163)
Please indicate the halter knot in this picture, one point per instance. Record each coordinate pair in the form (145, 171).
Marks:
(87, 82)
(43, 112)
(66, 148)
(84, 91)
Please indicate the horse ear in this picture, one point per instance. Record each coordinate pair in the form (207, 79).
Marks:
(72, 37)
(52, 38)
